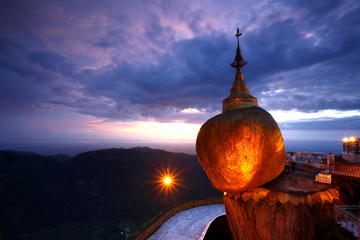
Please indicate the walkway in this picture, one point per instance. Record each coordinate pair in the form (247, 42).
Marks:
(188, 224)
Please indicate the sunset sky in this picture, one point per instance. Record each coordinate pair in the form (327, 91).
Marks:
(154, 71)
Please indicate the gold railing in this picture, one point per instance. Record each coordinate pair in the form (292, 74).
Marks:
(351, 171)
(152, 228)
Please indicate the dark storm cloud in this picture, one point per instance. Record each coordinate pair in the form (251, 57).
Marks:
(52, 61)
(8, 47)
(191, 76)
(153, 59)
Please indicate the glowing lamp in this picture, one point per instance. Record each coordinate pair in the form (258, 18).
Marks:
(345, 139)
(352, 139)
(167, 180)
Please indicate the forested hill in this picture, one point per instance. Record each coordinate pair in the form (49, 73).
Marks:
(94, 194)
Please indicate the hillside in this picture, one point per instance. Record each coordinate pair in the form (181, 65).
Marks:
(95, 194)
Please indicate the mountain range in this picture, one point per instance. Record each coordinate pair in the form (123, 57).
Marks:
(103, 194)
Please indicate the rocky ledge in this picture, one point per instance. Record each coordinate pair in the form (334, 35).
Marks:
(289, 207)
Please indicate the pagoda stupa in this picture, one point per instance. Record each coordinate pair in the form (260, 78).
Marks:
(241, 148)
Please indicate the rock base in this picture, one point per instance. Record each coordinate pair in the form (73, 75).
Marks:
(290, 207)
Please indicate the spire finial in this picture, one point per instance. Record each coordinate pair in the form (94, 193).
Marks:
(238, 34)
(238, 61)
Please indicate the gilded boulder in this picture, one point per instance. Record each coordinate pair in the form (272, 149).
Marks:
(241, 149)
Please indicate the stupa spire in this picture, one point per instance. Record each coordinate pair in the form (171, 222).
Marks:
(239, 95)
(239, 60)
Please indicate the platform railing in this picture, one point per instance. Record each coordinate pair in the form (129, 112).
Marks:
(337, 169)
(345, 170)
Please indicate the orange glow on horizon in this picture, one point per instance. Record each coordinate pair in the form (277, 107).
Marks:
(147, 130)
(170, 130)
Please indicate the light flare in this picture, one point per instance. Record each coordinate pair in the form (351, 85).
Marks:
(167, 181)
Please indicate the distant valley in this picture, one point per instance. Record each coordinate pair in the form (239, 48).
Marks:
(104, 194)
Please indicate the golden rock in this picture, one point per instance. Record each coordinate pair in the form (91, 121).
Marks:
(242, 148)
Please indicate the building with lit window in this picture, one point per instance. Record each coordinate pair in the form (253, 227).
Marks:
(351, 149)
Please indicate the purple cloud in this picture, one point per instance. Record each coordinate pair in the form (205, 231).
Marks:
(152, 59)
